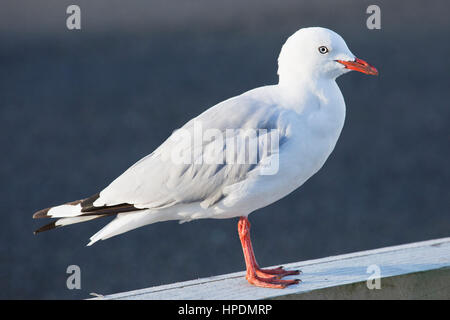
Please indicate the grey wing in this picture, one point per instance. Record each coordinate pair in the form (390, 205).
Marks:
(164, 178)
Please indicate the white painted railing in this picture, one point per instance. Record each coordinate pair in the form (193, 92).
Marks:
(418, 270)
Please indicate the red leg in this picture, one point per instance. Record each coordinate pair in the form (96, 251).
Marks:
(269, 278)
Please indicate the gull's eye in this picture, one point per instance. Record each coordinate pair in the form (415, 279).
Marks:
(323, 49)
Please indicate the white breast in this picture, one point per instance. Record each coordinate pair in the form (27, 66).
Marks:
(314, 133)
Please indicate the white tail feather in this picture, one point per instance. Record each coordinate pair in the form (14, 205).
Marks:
(125, 222)
(72, 220)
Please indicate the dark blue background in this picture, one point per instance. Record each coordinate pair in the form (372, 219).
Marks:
(78, 107)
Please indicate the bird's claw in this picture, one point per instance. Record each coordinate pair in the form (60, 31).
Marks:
(279, 271)
(271, 278)
(273, 282)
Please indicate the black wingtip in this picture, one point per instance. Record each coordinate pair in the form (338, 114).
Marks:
(44, 212)
(50, 226)
(88, 203)
(41, 214)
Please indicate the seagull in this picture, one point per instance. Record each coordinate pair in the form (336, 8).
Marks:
(209, 167)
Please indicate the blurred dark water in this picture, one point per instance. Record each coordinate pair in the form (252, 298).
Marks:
(78, 109)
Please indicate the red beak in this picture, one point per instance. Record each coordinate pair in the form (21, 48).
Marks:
(359, 65)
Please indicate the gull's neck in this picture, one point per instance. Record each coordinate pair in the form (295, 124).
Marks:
(298, 92)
